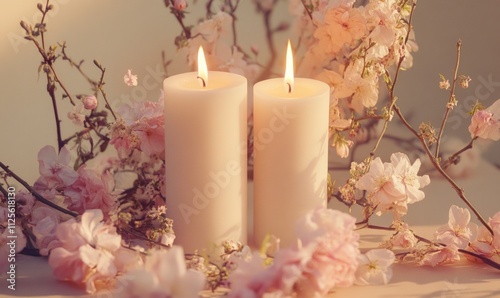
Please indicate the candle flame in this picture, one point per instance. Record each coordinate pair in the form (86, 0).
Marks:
(202, 68)
(289, 69)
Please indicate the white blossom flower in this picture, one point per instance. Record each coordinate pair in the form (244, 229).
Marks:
(375, 267)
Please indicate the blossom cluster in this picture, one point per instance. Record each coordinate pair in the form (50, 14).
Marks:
(350, 47)
(326, 256)
(392, 186)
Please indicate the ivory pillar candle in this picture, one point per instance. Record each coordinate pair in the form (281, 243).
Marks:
(290, 154)
(206, 158)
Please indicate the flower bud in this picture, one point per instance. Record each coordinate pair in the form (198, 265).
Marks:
(90, 102)
(180, 4)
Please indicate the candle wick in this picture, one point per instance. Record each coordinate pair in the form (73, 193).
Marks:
(289, 87)
(202, 80)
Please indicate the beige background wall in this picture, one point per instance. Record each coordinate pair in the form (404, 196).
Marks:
(131, 34)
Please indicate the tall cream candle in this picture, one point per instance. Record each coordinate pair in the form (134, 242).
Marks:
(290, 153)
(206, 158)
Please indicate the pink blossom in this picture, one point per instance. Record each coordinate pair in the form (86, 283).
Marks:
(375, 267)
(384, 188)
(123, 138)
(88, 250)
(142, 128)
(55, 168)
(89, 102)
(45, 221)
(164, 274)
(408, 174)
(130, 79)
(482, 244)
(341, 26)
(392, 186)
(458, 231)
(444, 255)
(214, 28)
(91, 191)
(494, 223)
(76, 115)
(485, 243)
(342, 148)
(485, 124)
(324, 258)
(25, 201)
(152, 136)
(252, 278)
(404, 239)
(180, 4)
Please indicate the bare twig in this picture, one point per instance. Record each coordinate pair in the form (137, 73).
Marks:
(449, 105)
(101, 89)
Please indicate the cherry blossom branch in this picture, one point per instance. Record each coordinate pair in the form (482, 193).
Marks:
(484, 259)
(437, 165)
(34, 193)
(451, 100)
(392, 86)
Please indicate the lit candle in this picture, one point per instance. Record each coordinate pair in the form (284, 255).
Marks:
(290, 152)
(205, 156)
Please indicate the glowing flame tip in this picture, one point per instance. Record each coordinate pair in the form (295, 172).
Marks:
(289, 69)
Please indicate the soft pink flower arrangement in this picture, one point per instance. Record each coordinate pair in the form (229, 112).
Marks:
(105, 227)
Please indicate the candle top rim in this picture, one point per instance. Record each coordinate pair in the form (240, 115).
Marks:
(303, 88)
(217, 80)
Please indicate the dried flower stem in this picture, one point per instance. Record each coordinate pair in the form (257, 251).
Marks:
(450, 100)
(34, 193)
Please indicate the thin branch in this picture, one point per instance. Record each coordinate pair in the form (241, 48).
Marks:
(4, 191)
(78, 66)
(179, 16)
(34, 193)
(44, 13)
(101, 89)
(307, 9)
(393, 86)
(453, 158)
(423, 239)
(449, 105)
(435, 162)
